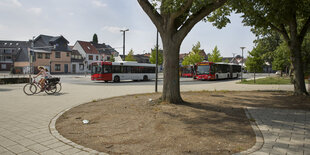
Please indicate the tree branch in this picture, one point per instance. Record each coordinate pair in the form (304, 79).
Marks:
(152, 13)
(182, 10)
(304, 29)
(195, 18)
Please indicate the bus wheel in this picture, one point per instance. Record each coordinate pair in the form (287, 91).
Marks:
(116, 79)
(145, 78)
(106, 81)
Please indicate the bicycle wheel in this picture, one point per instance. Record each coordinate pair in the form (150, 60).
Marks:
(30, 89)
(58, 86)
(51, 89)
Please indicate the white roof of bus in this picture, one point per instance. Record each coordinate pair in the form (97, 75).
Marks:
(133, 63)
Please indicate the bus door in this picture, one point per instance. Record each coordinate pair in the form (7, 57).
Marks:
(107, 72)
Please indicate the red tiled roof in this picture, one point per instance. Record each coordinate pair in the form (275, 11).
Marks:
(88, 47)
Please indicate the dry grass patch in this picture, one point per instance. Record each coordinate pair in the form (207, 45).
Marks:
(210, 123)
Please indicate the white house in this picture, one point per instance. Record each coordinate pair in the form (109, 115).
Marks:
(88, 52)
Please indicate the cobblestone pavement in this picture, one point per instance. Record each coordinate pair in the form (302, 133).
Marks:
(285, 132)
(25, 120)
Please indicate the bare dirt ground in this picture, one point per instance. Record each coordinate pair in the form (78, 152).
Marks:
(210, 123)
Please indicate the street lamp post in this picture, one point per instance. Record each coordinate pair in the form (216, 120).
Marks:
(156, 81)
(242, 63)
(124, 31)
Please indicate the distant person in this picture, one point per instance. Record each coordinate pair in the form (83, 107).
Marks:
(43, 77)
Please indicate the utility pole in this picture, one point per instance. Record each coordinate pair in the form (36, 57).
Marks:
(156, 71)
(124, 32)
(242, 63)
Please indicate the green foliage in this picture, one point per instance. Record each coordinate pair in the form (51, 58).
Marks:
(281, 58)
(254, 61)
(112, 59)
(95, 38)
(153, 57)
(215, 56)
(267, 15)
(129, 57)
(194, 56)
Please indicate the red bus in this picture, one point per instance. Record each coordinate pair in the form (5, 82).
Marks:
(187, 71)
(116, 71)
(217, 70)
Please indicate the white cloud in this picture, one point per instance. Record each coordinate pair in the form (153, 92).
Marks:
(36, 11)
(112, 29)
(98, 3)
(10, 3)
(71, 13)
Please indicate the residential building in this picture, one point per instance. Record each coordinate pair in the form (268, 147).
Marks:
(88, 52)
(77, 62)
(53, 53)
(12, 53)
(105, 51)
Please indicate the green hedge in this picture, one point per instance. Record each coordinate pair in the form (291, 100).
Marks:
(13, 80)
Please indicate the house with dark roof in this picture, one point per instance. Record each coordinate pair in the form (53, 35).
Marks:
(88, 52)
(13, 54)
(105, 51)
(53, 53)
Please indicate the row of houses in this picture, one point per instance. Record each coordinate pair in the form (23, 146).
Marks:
(54, 53)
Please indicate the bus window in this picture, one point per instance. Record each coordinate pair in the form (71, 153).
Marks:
(107, 69)
(205, 69)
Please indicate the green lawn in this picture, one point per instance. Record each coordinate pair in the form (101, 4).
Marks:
(269, 80)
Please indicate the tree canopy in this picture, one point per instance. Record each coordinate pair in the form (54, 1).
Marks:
(95, 38)
(194, 56)
(130, 57)
(215, 56)
(153, 56)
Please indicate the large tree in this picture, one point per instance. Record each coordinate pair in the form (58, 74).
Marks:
(290, 18)
(174, 19)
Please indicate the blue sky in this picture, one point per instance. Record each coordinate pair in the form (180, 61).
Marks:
(80, 19)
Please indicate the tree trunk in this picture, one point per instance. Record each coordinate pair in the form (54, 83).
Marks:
(171, 87)
(296, 58)
(254, 77)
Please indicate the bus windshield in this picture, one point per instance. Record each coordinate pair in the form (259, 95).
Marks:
(96, 69)
(187, 69)
(204, 69)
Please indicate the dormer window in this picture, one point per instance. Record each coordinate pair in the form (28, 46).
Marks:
(88, 47)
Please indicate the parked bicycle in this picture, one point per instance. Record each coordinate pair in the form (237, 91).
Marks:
(51, 86)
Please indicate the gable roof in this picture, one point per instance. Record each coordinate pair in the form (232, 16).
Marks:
(50, 39)
(88, 47)
(104, 48)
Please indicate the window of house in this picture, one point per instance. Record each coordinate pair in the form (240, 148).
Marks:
(81, 67)
(90, 57)
(47, 56)
(97, 58)
(3, 66)
(9, 58)
(57, 67)
(68, 54)
(57, 54)
(40, 56)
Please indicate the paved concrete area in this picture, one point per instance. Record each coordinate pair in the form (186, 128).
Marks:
(25, 120)
(285, 132)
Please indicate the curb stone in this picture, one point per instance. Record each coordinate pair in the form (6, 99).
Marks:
(55, 133)
(259, 136)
